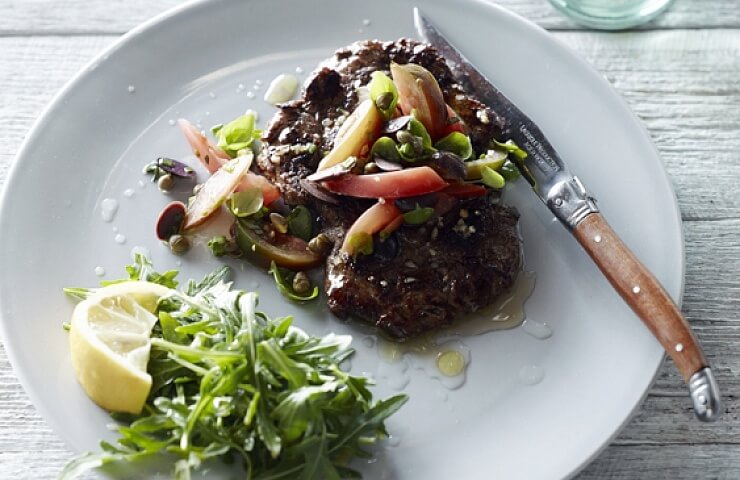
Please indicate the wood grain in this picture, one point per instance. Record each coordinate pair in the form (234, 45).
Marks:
(682, 83)
(666, 462)
(54, 17)
(642, 292)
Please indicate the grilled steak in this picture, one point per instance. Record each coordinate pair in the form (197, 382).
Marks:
(420, 277)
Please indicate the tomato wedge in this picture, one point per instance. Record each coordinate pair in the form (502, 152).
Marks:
(270, 192)
(285, 250)
(419, 92)
(392, 226)
(209, 154)
(370, 222)
(213, 158)
(359, 130)
(408, 182)
(215, 190)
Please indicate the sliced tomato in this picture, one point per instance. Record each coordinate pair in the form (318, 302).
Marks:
(356, 135)
(370, 222)
(285, 250)
(419, 92)
(392, 226)
(409, 182)
(465, 190)
(270, 192)
(213, 158)
(215, 190)
(209, 154)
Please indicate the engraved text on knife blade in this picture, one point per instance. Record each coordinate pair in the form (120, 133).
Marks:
(538, 152)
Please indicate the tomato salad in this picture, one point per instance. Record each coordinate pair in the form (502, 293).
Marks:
(402, 142)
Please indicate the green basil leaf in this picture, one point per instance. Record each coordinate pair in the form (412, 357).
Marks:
(457, 143)
(237, 135)
(246, 203)
(511, 147)
(416, 128)
(509, 171)
(383, 93)
(301, 223)
(385, 148)
(284, 284)
(418, 215)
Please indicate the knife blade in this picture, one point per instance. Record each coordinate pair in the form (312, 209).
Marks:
(570, 202)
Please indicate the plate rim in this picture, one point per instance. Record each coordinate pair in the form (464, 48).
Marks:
(189, 6)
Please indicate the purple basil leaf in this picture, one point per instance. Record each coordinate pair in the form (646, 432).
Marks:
(173, 167)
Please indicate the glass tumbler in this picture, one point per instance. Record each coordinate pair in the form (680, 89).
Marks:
(611, 14)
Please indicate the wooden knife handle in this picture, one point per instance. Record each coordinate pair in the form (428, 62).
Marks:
(642, 291)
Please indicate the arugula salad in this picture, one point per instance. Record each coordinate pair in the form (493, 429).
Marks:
(226, 381)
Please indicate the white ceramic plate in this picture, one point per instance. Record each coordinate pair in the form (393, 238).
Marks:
(94, 139)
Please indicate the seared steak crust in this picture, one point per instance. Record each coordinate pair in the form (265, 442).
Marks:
(423, 277)
(420, 277)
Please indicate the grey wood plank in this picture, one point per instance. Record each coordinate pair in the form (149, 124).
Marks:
(24, 17)
(671, 462)
(683, 84)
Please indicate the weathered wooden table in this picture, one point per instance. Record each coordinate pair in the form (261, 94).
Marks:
(681, 76)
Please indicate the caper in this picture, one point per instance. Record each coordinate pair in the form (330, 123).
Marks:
(279, 222)
(301, 283)
(418, 145)
(371, 167)
(404, 136)
(166, 182)
(218, 245)
(319, 244)
(179, 244)
(384, 100)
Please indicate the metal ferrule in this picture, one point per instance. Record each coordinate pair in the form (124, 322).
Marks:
(570, 202)
(705, 395)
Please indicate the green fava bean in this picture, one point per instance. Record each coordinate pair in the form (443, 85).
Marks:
(492, 178)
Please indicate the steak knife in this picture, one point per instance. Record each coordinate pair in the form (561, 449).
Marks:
(572, 204)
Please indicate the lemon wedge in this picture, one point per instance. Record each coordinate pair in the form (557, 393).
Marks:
(109, 342)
